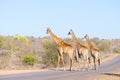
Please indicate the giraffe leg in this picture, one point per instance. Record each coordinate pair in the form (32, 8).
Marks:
(78, 64)
(75, 62)
(63, 62)
(86, 67)
(70, 64)
(94, 63)
(97, 60)
(88, 61)
(97, 63)
(77, 56)
(79, 60)
(84, 63)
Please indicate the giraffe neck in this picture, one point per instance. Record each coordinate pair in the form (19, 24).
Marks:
(89, 42)
(55, 38)
(92, 46)
(75, 38)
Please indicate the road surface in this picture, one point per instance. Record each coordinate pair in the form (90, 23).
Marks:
(107, 68)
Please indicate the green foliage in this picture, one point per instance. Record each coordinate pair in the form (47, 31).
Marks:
(116, 50)
(50, 55)
(29, 59)
(2, 39)
(23, 38)
(104, 45)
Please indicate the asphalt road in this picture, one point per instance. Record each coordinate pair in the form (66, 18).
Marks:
(106, 68)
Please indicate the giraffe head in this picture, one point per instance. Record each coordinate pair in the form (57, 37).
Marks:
(70, 32)
(86, 37)
(48, 30)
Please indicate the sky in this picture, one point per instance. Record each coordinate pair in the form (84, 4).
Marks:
(97, 18)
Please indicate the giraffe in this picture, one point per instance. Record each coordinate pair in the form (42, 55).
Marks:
(62, 48)
(94, 51)
(80, 48)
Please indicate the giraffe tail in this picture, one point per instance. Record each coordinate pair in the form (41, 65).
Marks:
(99, 62)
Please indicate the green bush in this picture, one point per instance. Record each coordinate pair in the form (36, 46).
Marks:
(104, 45)
(117, 50)
(29, 60)
(2, 39)
(49, 57)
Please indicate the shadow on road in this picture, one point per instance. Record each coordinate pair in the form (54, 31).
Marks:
(111, 74)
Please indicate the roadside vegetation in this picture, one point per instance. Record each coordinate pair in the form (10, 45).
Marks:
(21, 52)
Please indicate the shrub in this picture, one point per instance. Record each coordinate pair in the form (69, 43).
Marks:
(49, 57)
(2, 39)
(22, 38)
(104, 45)
(29, 60)
(117, 50)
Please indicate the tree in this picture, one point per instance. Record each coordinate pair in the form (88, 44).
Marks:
(49, 57)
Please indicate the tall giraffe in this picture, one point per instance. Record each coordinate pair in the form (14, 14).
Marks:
(62, 48)
(94, 51)
(80, 48)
